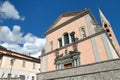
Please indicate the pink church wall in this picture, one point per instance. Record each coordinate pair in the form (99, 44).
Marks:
(85, 47)
(74, 26)
(86, 50)
(101, 48)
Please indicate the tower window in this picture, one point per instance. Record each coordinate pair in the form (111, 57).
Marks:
(60, 42)
(105, 25)
(110, 35)
(72, 35)
(66, 38)
(107, 30)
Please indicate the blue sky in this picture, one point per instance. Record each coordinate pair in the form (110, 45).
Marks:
(35, 16)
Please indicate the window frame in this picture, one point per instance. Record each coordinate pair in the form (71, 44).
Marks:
(72, 36)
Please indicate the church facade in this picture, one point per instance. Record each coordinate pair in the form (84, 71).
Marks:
(75, 39)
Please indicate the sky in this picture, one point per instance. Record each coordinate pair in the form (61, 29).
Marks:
(25, 21)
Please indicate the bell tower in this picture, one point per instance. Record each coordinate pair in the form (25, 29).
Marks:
(107, 27)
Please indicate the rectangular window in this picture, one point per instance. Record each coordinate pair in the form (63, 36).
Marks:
(33, 78)
(12, 61)
(60, 42)
(23, 65)
(33, 65)
(22, 77)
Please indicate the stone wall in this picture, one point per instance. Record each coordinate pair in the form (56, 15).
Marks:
(107, 70)
(10, 79)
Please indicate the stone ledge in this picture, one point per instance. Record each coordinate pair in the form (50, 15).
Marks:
(82, 70)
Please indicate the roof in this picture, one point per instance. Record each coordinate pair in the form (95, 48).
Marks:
(74, 15)
(5, 52)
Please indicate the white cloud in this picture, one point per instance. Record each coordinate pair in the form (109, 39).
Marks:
(13, 47)
(8, 11)
(15, 41)
(32, 44)
(8, 36)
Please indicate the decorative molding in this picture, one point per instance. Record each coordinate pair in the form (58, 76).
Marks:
(68, 57)
(80, 40)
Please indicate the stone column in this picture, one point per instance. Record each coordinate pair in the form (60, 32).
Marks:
(62, 66)
(74, 63)
(63, 41)
(69, 38)
(77, 62)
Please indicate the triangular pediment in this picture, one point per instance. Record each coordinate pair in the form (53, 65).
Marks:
(64, 18)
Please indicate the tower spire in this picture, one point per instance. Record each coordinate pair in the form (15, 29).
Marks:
(107, 27)
(102, 17)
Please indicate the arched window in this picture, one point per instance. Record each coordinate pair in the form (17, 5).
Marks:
(72, 35)
(66, 38)
(107, 30)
